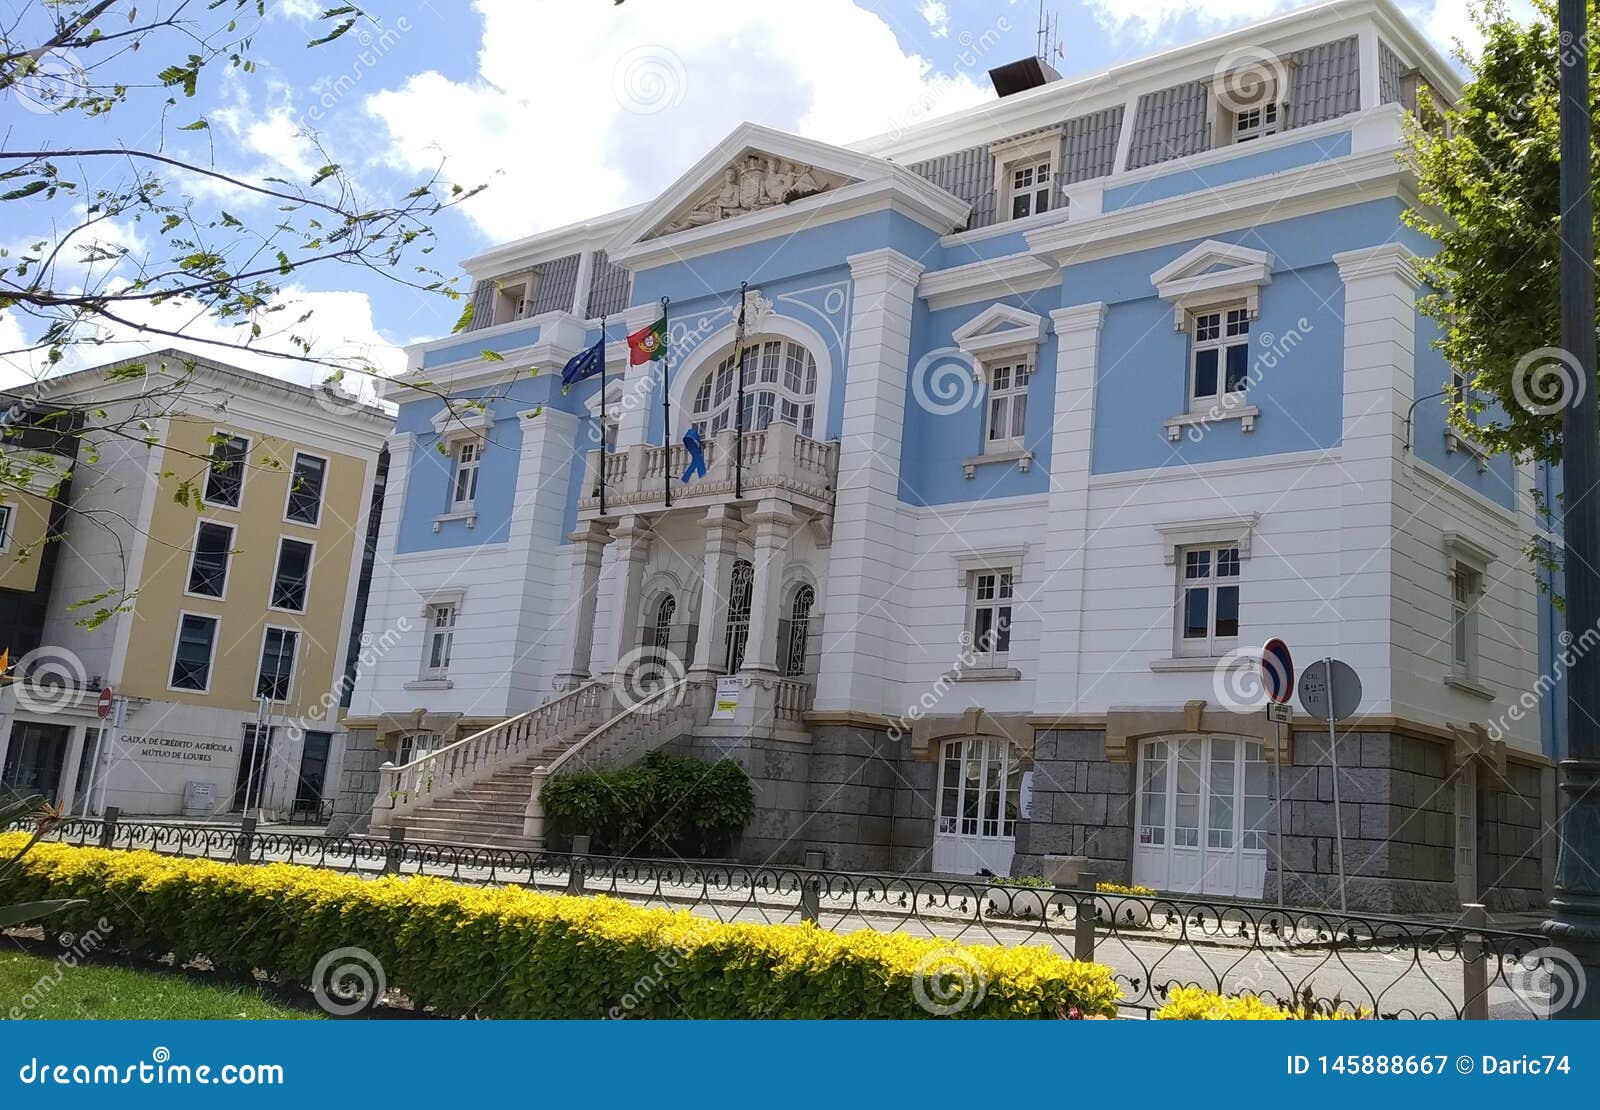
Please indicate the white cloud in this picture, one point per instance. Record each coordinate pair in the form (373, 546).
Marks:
(938, 17)
(577, 109)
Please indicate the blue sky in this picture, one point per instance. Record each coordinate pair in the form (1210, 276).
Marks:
(570, 108)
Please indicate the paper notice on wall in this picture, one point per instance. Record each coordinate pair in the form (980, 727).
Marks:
(727, 703)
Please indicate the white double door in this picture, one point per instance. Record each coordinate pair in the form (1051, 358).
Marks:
(980, 788)
(1201, 822)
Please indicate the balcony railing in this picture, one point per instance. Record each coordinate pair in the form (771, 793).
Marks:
(777, 462)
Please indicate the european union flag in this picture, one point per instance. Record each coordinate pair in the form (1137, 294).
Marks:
(585, 364)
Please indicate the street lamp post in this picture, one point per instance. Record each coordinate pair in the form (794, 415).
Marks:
(1575, 909)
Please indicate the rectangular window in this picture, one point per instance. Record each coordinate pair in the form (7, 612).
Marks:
(1007, 413)
(1219, 356)
(989, 624)
(305, 489)
(1030, 188)
(5, 527)
(1255, 123)
(1208, 601)
(464, 481)
(191, 661)
(277, 663)
(208, 568)
(441, 638)
(225, 477)
(292, 575)
(1465, 585)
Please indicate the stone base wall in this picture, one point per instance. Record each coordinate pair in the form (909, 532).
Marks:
(1082, 806)
(779, 772)
(358, 783)
(1512, 839)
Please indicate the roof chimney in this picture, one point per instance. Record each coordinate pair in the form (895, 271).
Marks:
(1028, 73)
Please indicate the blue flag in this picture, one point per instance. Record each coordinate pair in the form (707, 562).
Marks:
(697, 456)
(585, 364)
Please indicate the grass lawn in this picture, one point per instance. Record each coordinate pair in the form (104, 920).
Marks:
(34, 987)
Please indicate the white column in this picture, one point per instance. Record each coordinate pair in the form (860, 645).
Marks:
(580, 289)
(538, 559)
(632, 538)
(721, 525)
(772, 520)
(1060, 591)
(1367, 54)
(858, 640)
(588, 548)
(1379, 349)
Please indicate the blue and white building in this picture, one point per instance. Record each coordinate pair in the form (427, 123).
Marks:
(1055, 410)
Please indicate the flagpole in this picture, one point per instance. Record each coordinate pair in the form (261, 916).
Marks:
(602, 416)
(738, 411)
(666, 406)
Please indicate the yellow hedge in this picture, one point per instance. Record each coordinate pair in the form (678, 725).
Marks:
(1199, 1004)
(514, 953)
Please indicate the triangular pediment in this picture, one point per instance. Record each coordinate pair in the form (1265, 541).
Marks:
(756, 174)
(755, 180)
(1213, 259)
(996, 325)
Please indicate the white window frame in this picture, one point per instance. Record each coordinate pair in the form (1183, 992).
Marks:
(194, 551)
(1001, 392)
(322, 494)
(244, 467)
(1200, 568)
(1027, 157)
(1000, 336)
(8, 517)
(1267, 112)
(791, 376)
(1219, 328)
(991, 590)
(460, 465)
(294, 661)
(277, 561)
(1257, 121)
(432, 632)
(513, 299)
(211, 662)
(1466, 588)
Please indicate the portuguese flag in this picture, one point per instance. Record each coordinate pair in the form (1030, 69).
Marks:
(648, 343)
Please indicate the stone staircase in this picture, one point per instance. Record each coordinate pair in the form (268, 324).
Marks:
(482, 791)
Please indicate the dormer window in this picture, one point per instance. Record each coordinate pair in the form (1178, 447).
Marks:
(514, 298)
(1030, 188)
(1255, 123)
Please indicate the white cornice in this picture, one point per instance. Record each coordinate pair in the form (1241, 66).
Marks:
(986, 279)
(1383, 260)
(999, 327)
(559, 242)
(1079, 317)
(884, 262)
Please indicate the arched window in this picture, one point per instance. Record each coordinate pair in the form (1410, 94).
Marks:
(795, 636)
(659, 634)
(739, 596)
(780, 383)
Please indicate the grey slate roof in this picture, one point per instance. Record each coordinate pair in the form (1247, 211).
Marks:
(608, 287)
(558, 280)
(1089, 146)
(1170, 123)
(969, 174)
(1390, 70)
(1326, 82)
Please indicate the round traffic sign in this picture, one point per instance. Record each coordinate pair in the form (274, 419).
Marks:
(1330, 690)
(102, 705)
(1277, 670)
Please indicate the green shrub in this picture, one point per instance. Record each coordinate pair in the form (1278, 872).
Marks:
(513, 953)
(667, 805)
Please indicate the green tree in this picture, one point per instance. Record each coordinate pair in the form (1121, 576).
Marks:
(1488, 191)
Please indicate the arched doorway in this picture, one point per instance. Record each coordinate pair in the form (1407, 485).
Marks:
(740, 587)
(658, 633)
(794, 632)
(1200, 824)
(980, 788)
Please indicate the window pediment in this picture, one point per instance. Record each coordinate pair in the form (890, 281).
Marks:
(1236, 530)
(1213, 273)
(999, 327)
(457, 422)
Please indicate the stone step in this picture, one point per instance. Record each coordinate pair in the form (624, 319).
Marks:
(469, 807)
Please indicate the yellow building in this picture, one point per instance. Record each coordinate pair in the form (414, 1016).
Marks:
(217, 523)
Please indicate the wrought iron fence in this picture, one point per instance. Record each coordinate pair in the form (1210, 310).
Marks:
(1373, 966)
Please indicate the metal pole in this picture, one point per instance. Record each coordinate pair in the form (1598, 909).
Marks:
(254, 755)
(119, 714)
(1277, 774)
(666, 407)
(738, 411)
(603, 444)
(1333, 760)
(1575, 909)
